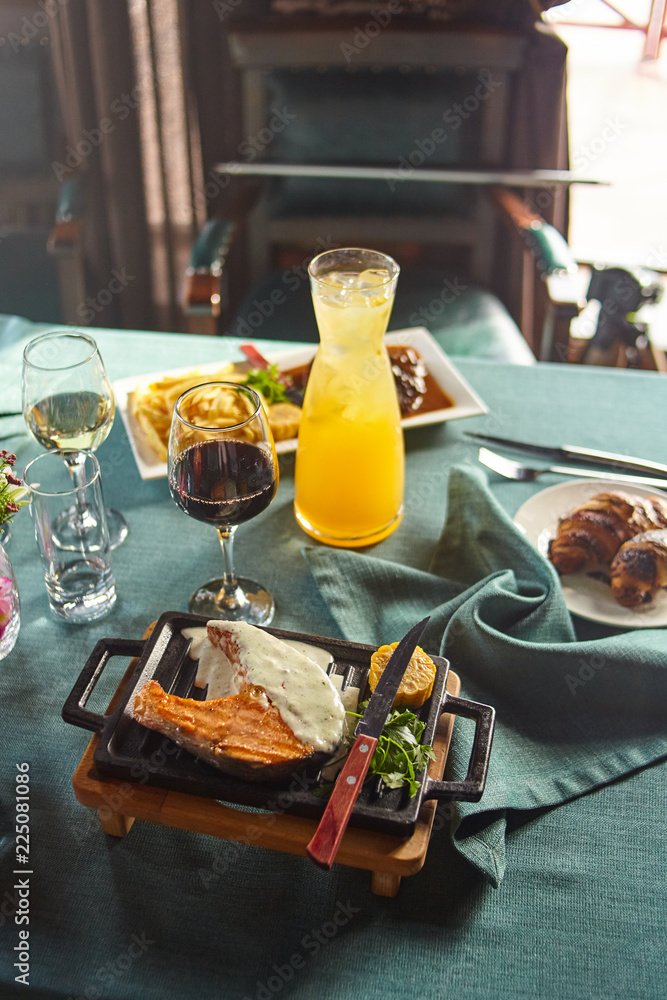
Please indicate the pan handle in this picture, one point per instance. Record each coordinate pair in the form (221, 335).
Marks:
(74, 711)
(471, 788)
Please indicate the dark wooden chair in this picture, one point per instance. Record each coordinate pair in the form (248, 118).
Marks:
(465, 102)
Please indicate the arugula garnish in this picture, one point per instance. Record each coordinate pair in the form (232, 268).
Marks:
(265, 381)
(399, 756)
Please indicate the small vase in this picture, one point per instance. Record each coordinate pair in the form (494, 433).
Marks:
(10, 608)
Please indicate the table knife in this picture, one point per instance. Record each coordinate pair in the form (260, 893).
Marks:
(572, 452)
(324, 845)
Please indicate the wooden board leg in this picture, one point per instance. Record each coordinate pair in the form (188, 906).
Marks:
(385, 884)
(114, 823)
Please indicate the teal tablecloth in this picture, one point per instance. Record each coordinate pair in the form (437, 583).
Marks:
(163, 913)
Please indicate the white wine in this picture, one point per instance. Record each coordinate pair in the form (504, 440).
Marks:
(72, 421)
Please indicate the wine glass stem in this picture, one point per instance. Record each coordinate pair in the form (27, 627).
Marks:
(76, 467)
(231, 592)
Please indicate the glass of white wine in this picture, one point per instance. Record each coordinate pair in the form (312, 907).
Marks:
(68, 405)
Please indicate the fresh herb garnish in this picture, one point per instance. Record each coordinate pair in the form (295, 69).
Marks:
(266, 382)
(399, 757)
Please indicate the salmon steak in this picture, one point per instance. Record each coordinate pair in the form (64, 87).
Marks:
(243, 735)
(281, 710)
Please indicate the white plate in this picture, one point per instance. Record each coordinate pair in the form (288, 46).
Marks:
(585, 596)
(466, 401)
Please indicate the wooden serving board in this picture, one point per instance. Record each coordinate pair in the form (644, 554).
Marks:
(119, 803)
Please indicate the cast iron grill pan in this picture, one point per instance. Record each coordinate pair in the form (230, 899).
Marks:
(130, 752)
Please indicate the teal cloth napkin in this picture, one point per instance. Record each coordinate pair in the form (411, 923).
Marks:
(571, 716)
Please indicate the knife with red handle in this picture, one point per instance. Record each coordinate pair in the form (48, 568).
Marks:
(324, 845)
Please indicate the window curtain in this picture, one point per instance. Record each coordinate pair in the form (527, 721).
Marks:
(132, 144)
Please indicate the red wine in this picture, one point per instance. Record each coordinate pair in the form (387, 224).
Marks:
(223, 482)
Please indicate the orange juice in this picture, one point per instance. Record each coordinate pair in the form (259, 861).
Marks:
(350, 457)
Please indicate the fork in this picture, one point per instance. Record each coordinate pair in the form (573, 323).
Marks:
(515, 470)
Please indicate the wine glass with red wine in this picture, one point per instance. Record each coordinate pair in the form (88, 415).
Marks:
(223, 470)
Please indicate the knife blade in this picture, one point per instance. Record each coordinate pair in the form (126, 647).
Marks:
(573, 453)
(325, 842)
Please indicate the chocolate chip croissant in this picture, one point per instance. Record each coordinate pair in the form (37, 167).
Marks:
(639, 569)
(594, 532)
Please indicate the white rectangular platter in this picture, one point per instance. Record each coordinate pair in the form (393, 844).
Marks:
(466, 402)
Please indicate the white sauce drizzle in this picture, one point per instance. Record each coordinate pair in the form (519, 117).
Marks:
(198, 636)
(322, 657)
(214, 670)
(350, 699)
(294, 679)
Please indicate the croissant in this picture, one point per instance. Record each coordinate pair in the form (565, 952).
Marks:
(639, 568)
(594, 532)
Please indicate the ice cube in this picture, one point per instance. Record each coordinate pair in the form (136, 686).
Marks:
(372, 277)
(344, 279)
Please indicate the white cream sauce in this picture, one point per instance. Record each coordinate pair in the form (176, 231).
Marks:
(292, 673)
(322, 657)
(350, 699)
(198, 637)
(214, 671)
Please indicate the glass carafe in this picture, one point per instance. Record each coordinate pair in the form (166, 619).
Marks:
(349, 474)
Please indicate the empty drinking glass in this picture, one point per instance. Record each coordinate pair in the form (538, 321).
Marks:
(79, 579)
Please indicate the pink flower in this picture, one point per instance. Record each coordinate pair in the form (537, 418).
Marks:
(6, 602)
(13, 496)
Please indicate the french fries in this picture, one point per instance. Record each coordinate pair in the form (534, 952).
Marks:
(151, 407)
